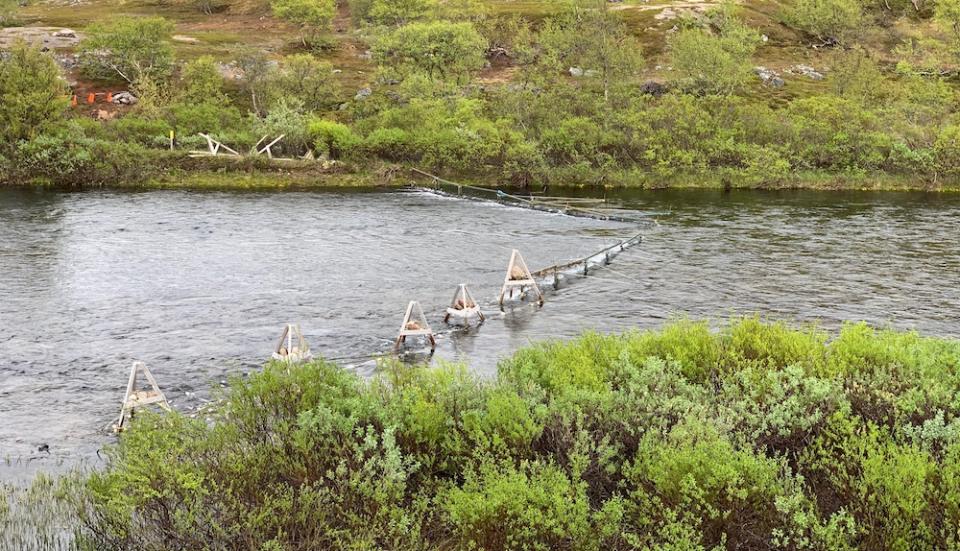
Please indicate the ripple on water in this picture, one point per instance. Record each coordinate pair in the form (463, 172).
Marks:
(198, 285)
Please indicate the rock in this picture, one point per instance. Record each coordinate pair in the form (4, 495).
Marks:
(580, 72)
(65, 33)
(498, 52)
(806, 71)
(769, 77)
(44, 448)
(653, 88)
(363, 94)
(764, 38)
(366, 55)
(230, 71)
(124, 98)
(184, 39)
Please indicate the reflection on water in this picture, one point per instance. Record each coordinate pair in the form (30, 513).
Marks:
(199, 285)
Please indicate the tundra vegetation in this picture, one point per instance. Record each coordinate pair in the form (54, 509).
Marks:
(754, 435)
(774, 94)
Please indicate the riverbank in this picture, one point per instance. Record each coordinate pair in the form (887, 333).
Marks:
(259, 175)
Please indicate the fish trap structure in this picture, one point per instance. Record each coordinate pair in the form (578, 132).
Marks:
(584, 264)
(138, 398)
(519, 279)
(292, 347)
(415, 325)
(463, 308)
(581, 207)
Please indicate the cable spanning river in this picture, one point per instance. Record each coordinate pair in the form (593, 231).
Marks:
(199, 284)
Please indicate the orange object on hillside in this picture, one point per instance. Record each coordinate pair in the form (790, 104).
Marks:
(109, 97)
(91, 98)
(73, 101)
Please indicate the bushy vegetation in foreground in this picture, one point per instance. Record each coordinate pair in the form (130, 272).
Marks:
(758, 436)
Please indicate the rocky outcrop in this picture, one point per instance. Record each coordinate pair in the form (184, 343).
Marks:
(807, 71)
(769, 77)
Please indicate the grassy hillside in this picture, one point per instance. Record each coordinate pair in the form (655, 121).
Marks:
(788, 98)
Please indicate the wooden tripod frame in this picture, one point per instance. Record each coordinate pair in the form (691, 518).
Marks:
(292, 348)
(415, 325)
(519, 277)
(463, 306)
(135, 398)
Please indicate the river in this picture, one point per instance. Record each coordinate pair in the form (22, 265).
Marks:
(199, 284)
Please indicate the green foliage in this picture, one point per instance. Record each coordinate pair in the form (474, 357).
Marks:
(286, 117)
(72, 158)
(307, 80)
(202, 82)
(827, 20)
(535, 507)
(714, 62)
(311, 15)
(398, 12)
(34, 95)
(439, 49)
(947, 14)
(8, 12)
(332, 139)
(594, 40)
(753, 435)
(132, 48)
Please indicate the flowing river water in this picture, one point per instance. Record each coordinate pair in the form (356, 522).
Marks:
(199, 284)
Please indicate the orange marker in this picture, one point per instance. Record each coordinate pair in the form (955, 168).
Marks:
(91, 98)
(73, 101)
(109, 97)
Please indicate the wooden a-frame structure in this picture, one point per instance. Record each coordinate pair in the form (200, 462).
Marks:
(519, 277)
(463, 307)
(415, 325)
(137, 398)
(292, 347)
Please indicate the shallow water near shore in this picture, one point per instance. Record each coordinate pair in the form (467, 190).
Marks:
(199, 284)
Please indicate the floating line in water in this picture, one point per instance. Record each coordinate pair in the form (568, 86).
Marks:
(554, 205)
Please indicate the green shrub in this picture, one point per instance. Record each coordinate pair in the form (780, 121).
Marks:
(827, 20)
(752, 436)
(534, 507)
(78, 161)
(132, 49)
(331, 138)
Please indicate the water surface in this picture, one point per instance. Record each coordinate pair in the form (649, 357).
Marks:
(199, 284)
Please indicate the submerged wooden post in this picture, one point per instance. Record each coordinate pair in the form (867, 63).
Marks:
(463, 307)
(414, 325)
(519, 277)
(292, 348)
(134, 398)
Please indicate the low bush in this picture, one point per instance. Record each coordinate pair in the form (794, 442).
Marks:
(751, 435)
